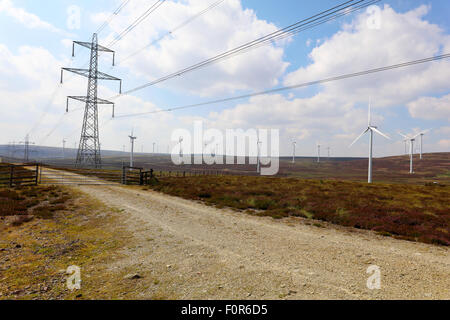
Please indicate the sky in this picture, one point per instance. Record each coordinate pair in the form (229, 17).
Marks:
(36, 41)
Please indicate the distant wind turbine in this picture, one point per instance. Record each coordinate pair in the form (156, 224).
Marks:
(318, 153)
(132, 139)
(294, 144)
(411, 140)
(258, 160)
(421, 142)
(371, 129)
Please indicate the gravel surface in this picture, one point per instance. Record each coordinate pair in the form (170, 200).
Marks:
(185, 250)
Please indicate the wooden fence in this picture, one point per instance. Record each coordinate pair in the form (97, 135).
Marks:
(19, 175)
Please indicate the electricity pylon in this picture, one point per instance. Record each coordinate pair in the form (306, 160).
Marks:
(26, 143)
(89, 147)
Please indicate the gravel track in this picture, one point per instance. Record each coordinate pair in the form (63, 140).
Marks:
(187, 250)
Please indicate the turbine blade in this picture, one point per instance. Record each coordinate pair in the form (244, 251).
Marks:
(403, 136)
(370, 112)
(356, 140)
(381, 133)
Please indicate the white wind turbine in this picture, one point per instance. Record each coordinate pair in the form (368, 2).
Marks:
(371, 129)
(421, 142)
(411, 140)
(294, 144)
(318, 152)
(132, 139)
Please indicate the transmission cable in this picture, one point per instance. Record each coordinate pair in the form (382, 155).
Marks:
(138, 21)
(112, 16)
(342, 9)
(306, 84)
(171, 32)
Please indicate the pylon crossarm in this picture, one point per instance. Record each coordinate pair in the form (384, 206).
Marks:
(85, 73)
(86, 99)
(89, 46)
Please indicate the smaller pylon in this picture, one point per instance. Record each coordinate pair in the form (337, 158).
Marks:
(26, 143)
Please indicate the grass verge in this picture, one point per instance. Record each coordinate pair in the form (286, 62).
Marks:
(63, 228)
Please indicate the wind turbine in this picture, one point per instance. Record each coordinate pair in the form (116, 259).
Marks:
(132, 138)
(64, 148)
(329, 151)
(258, 160)
(371, 129)
(318, 153)
(421, 142)
(181, 148)
(294, 144)
(411, 140)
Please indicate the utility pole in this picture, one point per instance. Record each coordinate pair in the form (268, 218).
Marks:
(12, 149)
(26, 143)
(132, 139)
(89, 147)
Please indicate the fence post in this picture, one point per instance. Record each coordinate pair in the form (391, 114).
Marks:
(37, 174)
(124, 175)
(11, 177)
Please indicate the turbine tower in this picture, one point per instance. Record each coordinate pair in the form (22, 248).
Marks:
(411, 140)
(181, 149)
(371, 129)
(89, 147)
(294, 144)
(132, 139)
(421, 142)
(64, 148)
(318, 153)
(258, 160)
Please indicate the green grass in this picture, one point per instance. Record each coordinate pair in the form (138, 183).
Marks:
(404, 211)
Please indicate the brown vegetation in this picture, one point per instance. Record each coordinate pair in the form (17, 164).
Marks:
(411, 212)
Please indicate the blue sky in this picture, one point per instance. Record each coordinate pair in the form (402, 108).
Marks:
(35, 39)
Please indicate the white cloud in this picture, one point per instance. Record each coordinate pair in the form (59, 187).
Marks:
(224, 27)
(29, 20)
(430, 108)
(402, 37)
(334, 114)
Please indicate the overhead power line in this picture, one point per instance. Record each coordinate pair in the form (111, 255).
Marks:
(306, 84)
(138, 21)
(320, 18)
(112, 16)
(171, 32)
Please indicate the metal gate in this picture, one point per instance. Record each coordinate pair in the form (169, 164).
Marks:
(78, 176)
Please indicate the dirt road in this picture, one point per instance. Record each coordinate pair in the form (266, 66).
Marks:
(186, 250)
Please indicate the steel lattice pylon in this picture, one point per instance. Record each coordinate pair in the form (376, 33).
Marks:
(89, 151)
